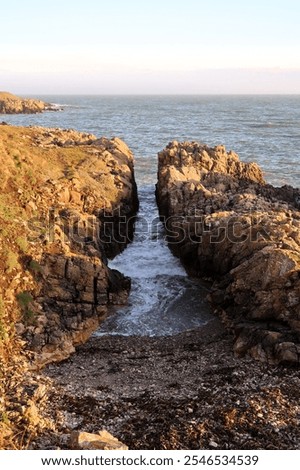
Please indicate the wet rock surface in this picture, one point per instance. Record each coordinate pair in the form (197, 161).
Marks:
(226, 223)
(182, 392)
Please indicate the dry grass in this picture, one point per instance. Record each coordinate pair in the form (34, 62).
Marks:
(24, 169)
(36, 168)
(4, 95)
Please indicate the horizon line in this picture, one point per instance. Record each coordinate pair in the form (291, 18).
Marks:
(160, 94)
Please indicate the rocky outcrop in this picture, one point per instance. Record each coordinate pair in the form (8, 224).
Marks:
(68, 192)
(227, 224)
(11, 104)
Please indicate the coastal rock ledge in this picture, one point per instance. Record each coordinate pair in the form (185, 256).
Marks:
(11, 104)
(65, 198)
(226, 224)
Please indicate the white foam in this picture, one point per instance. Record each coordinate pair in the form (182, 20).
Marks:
(159, 283)
(148, 256)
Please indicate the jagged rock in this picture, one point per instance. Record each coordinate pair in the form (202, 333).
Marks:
(225, 222)
(11, 104)
(70, 191)
(101, 441)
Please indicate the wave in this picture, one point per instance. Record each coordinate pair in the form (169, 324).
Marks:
(63, 105)
(267, 125)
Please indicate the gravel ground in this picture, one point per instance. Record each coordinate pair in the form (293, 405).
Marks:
(182, 392)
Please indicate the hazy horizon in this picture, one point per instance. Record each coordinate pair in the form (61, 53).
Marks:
(164, 94)
(170, 47)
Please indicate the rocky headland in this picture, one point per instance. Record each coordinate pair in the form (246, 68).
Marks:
(226, 224)
(190, 391)
(63, 195)
(68, 202)
(12, 104)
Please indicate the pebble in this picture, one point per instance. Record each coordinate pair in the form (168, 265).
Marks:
(213, 444)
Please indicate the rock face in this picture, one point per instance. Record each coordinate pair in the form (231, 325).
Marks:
(68, 191)
(11, 104)
(226, 223)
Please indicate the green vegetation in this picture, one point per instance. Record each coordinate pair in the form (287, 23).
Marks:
(11, 261)
(35, 267)
(3, 330)
(4, 418)
(24, 299)
(7, 211)
(22, 244)
(17, 161)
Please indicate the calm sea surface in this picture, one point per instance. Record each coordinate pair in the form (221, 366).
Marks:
(264, 129)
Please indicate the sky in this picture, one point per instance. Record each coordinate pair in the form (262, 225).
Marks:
(150, 47)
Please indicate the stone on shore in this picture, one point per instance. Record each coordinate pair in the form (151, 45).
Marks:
(101, 441)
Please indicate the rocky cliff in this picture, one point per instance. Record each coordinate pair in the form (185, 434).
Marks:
(228, 225)
(63, 196)
(11, 104)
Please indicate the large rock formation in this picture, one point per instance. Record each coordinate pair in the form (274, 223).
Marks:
(227, 224)
(11, 104)
(64, 194)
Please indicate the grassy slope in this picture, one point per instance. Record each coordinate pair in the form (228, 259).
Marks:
(25, 167)
(4, 95)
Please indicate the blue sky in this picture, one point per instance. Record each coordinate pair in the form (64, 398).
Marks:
(157, 46)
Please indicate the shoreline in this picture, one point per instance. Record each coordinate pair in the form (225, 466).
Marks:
(180, 392)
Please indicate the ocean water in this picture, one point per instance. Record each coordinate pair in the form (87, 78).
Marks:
(264, 129)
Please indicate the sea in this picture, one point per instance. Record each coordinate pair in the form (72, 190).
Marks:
(264, 129)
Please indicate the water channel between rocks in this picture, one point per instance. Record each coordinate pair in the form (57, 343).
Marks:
(163, 299)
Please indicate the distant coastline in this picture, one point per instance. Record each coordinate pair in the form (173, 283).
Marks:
(12, 104)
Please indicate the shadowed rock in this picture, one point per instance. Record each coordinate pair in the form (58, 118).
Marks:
(63, 191)
(225, 222)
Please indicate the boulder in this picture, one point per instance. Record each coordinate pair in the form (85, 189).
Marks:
(101, 441)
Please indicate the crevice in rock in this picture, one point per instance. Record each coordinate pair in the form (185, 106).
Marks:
(95, 291)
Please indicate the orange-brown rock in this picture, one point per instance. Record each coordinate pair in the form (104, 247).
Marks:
(63, 196)
(12, 104)
(225, 222)
(101, 441)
